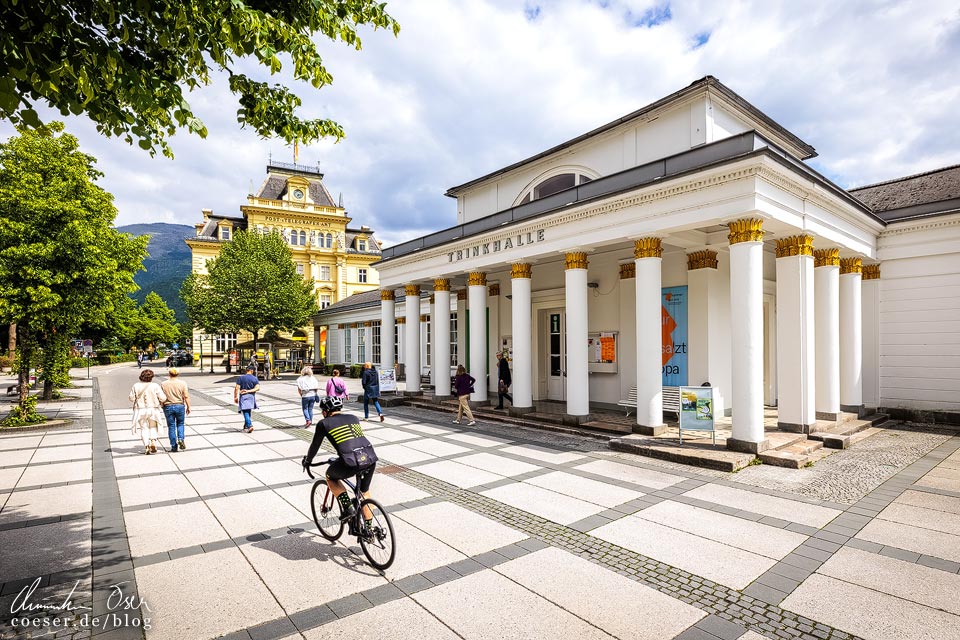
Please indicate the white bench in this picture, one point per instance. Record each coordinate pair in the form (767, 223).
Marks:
(671, 400)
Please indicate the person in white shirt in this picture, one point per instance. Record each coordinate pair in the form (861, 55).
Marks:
(308, 386)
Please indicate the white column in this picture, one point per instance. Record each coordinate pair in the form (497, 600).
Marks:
(462, 327)
(316, 345)
(440, 319)
(627, 317)
(851, 336)
(871, 335)
(387, 324)
(411, 349)
(826, 276)
(578, 375)
(746, 335)
(647, 265)
(796, 408)
(708, 326)
(477, 299)
(520, 314)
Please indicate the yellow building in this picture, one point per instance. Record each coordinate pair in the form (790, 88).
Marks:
(294, 202)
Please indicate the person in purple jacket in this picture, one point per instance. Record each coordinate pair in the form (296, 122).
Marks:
(463, 385)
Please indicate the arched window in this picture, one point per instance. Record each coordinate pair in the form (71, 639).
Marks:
(329, 241)
(303, 238)
(293, 237)
(554, 184)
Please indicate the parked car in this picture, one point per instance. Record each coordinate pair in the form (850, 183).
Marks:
(179, 358)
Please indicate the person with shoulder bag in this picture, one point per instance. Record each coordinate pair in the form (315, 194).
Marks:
(463, 385)
(371, 390)
(337, 388)
(309, 389)
(147, 398)
(504, 379)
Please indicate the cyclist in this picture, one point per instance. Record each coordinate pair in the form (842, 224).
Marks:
(356, 456)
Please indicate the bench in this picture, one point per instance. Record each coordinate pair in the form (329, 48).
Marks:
(671, 400)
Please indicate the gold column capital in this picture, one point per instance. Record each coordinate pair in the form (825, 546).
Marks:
(648, 248)
(745, 230)
(433, 300)
(871, 272)
(628, 271)
(576, 260)
(387, 294)
(424, 317)
(850, 265)
(801, 245)
(477, 279)
(441, 284)
(461, 294)
(493, 290)
(401, 320)
(521, 270)
(826, 258)
(412, 289)
(705, 259)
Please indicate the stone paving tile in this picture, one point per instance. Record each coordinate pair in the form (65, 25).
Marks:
(791, 510)
(461, 475)
(498, 464)
(137, 491)
(153, 530)
(419, 553)
(250, 513)
(40, 550)
(398, 620)
(627, 473)
(51, 473)
(55, 454)
(46, 503)
(930, 501)
(597, 595)
(464, 530)
(402, 454)
(915, 539)
(9, 443)
(584, 489)
(547, 504)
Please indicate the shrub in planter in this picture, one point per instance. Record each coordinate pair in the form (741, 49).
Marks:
(27, 416)
(6, 362)
(356, 370)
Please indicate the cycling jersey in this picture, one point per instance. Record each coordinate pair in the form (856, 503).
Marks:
(346, 435)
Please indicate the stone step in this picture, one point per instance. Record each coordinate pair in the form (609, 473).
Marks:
(706, 456)
(613, 427)
(783, 439)
(845, 428)
(787, 457)
(836, 441)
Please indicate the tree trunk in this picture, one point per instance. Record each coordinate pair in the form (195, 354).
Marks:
(12, 340)
(23, 375)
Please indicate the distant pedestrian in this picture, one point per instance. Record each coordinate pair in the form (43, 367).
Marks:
(463, 385)
(336, 387)
(245, 395)
(308, 386)
(176, 408)
(139, 359)
(504, 381)
(147, 398)
(254, 365)
(371, 390)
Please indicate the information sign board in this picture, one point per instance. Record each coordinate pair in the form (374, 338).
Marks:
(696, 410)
(388, 379)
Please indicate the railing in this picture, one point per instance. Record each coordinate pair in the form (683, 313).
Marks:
(291, 205)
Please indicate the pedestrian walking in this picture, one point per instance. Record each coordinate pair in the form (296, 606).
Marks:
(504, 382)
(253, 364)
(463, 385)
(309, 387)
(336, 387)
(371, 390)
(147, 398)
(139, 359)
(245, 395)
(176, 408)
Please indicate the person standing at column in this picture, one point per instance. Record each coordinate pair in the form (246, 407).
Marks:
(463, 387)
(504, 380)
(176, 408)
(309, 389)
(147, 398)
(371, 390)
(245, 395)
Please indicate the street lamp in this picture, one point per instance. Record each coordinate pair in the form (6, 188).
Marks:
(202, 338)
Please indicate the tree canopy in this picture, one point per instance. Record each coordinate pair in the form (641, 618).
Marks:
(253, 284)
(62, 264)
(126, 63)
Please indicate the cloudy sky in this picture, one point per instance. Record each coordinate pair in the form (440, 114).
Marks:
(470, 86)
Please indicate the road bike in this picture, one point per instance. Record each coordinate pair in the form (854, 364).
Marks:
(376, 539)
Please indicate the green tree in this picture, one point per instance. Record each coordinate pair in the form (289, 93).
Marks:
(126, 63)
(155, 322)
(252, 284)
(62, 264)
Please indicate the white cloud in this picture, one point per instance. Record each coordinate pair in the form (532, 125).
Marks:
(470, 86)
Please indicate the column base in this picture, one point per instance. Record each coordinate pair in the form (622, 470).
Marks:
(745, 446)
(793, 427)
(519, 411)
(853, 408)
(418, 392)
(575, 421)
(645, 430)
(827, 415)
(438, 399)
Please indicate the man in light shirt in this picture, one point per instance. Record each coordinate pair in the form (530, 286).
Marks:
(176, 408)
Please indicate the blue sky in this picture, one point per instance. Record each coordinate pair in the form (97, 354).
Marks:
(470, 86)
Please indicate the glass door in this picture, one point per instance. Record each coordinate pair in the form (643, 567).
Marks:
(556, 364)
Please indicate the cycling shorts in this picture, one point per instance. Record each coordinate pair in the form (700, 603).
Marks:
(340, 471)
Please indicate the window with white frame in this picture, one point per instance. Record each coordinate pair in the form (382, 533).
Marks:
(347, 346)
(329, 241)
(324, 300)
(361, 245)
(362, 344)
(303, 238)
(361, 275)
(375, 341)
(226, 341)
(325, 272)
(429, 342)
(224, 233)
(396, 341)
(555, 184)
(453, 340)
(300, 268)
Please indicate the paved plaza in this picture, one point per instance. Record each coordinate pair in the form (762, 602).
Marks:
(502, 533)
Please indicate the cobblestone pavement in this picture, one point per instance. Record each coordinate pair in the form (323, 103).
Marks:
(502, 532)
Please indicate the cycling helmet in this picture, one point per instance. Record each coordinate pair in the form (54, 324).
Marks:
(331, 404)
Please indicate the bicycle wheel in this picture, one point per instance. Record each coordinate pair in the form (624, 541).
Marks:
(377, 540)
(325, 512)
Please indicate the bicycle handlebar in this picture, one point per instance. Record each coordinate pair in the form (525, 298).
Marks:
(306, 467)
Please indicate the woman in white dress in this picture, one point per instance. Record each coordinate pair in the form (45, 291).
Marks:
(308, 386)
(147, 398)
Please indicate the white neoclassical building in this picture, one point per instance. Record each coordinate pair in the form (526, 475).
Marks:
(685, 243)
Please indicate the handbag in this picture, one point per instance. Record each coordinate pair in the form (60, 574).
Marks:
(502, 387)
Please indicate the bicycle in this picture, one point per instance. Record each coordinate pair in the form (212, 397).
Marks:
(376, 540)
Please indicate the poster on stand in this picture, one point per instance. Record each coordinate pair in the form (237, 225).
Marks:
(388, 379)
(696, 410)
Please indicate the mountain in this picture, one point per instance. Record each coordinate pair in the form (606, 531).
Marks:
(168, 262)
